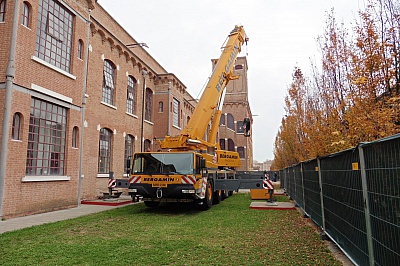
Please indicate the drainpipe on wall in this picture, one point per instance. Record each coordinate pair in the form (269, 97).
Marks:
(84, 96)
(10, 74)
(144, 74)
(168, 109)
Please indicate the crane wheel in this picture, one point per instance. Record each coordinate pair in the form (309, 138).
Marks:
(217, 197)
(225, 194)
(207, 202)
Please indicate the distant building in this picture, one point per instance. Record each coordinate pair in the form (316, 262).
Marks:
(263, 166)
(236, 107)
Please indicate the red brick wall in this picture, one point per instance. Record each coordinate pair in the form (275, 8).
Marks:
(107, 41)
(21, 198)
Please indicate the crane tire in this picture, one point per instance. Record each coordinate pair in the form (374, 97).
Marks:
(207, 202)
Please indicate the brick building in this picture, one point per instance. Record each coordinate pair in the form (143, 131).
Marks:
(72, 97)
(78, 96)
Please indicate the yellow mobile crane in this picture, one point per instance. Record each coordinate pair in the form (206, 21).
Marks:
(189, 168)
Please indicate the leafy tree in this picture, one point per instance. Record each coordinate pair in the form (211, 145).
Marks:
(353, 96)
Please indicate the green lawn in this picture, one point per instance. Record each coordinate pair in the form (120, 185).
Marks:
(228, 234)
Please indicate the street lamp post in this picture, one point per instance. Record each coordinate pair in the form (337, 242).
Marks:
(140, 44)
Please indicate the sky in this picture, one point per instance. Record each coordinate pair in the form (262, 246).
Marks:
(183, 36)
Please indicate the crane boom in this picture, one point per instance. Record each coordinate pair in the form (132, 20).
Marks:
(192, 135)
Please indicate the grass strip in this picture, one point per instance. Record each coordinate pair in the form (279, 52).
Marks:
(175, 234)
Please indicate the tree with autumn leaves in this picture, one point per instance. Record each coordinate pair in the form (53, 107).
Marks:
(353, 96)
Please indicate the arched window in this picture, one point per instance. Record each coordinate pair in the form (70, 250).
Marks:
(231, 122)
(16, 127)
(25, 14)
(75, 137)
(108, 82)
(160, 107)
(238, 67)
(129, 148)
(147, 145)
(187, 120)
(2, 10)
(240, 150)
(80, 49)
(231, 145)
(222, 120)
(105, 149)
(149, 104)
(131, 95)
(222, 144)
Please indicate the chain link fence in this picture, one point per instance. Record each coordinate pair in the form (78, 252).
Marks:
(354, 196)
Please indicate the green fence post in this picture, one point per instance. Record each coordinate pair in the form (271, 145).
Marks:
(366, 206)
(302, 184)
(323, 235)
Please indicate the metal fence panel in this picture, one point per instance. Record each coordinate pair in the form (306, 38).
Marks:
(290, 182)
(281, 177)
(382, 166)
(298, 182)
(343, 204)
(359, 209)
(312, 197)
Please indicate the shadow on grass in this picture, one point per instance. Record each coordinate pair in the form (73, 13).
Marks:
(172, 208)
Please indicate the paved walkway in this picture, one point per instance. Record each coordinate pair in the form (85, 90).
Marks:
(50, 217)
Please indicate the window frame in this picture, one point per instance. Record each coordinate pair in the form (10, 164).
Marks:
(26, 14)
(231, 145)
(75, 137)
(80, 49)
(230, 122)
(241, 152)
(16, 127)
(161, 107)
(46, 152)
(3, 7)
(128, 150)
(239, 67)
(239, 127)
(176, 112)
(147, 145)
(222, 120)
(131, 95)
(149, 105)
(222, 144)
(54, 36)
(105, 158)
(108, 90)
